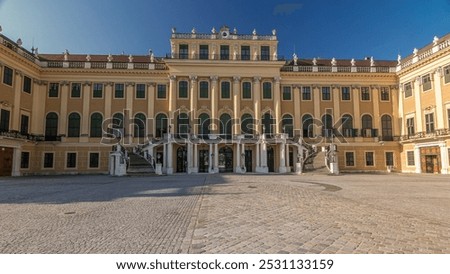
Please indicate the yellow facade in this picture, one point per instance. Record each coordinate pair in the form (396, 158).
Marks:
(52, 104)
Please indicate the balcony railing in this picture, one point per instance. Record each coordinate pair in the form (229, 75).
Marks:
(338, 69)
(223, 57)
(14, 134)
(425, 135)
(214, 36)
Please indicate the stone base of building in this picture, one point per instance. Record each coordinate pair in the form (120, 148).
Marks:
(262, 169)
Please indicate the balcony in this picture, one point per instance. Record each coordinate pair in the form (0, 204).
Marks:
(426, 135)
(14, 134)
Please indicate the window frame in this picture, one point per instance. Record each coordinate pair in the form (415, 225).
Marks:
(243, 93)
(8, 76)
(383, 92)
(183, 51)
(116, 90)
(53, 90)
(27, 88)
(266, 92)
(348, 94)
(365, 94)
(140, 94)
(429, 123)
(283, 93)
(203, 55)
(386, 158)
(410, 124)
(67, 160)
(426, 83)
(309, 93)
(408, 153)
(72, 85)
(352, 158)
(22, 124)
(5, 120)
(202, 90)
(265, 53)
(27, 166)
(323, 93)
(366, 153)
(446, 72)
(222, 90)
(158, 91)
(96, 90)
(408, 90)
(90, 160)
(44, 160)
(179, 90)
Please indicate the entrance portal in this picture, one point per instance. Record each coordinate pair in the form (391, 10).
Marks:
(6, 159)
(430, 159)
(271, 159)
(203, 160)
(181, 159)
(225, 160)
(431, 164)
(248, 161)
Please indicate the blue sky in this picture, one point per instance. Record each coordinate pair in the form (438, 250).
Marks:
(313, 28)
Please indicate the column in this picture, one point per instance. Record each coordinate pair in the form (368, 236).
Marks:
(376, 110)
(16, 161)
(356, 110)
(151, 109)
(15, 119)
(438, 95)
(317, 113)
(210, 160)
(288, 168)
(277, 103)
(297, 111)
(128, 113)
(189, 157)
(236, 105)
(63, 112)
(264, 168)
(164, 162)
(444, 159)
(336, 104)
(84, 136)
(417, 100)
(38, 107)
(395, 110)
(172, 96)
(216, 158)
(169, 169)
(108, 99)
(214, 103)
(257, 157)
(238, 158)
(195, 164)
(193, 104)
(417, 159)
(282, 149)
(256, 103)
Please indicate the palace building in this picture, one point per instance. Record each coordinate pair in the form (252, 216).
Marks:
(222, 102)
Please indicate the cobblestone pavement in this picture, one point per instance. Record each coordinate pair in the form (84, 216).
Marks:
(355, 213)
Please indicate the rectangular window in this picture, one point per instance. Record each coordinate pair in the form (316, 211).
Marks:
(326, 94)
(349, 159)
(447, 74)
(97, 90)
(369, 159)
(204, 52)
(224, 52)
(410, 126)
(426, 82)
(4, 120)
(385, 94)
(265, 53)
(410, 158)
(429, 122)
(365, 94)
(162, 91)
(24, 122)
(287, 93)
(71, 160)
(75, 90)
(267, 90)
(345, 93)
(24, 160)
(184, 51)
(183, 89)
(8, 76)
(408, 90)
(246, 90)
(140, 91)
(53, 90)
(119, 91)
(245, 52)
(448, 118)
(306, 93)
(26, 84)
(94, 160)
(225, 90)
(389, 158)
(204, 90)
(48, 160)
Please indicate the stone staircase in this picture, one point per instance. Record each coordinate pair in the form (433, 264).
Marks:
(316, 162)
(139, 166)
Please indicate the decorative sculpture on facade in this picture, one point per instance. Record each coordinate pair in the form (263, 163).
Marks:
(353, 62)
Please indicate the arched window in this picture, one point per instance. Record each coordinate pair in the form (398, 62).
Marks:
(247, 124)
(203, 125)
(367, 126)
(139, 125)
(307, 126)
(183, 125)
(267, 123)
(288, 125)
(118, 120)
(96, 125)
(327, 125)
(74, 125)
(386, 127)
(225, 126)
(161, 125)
(347, 125)
(51, 126)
